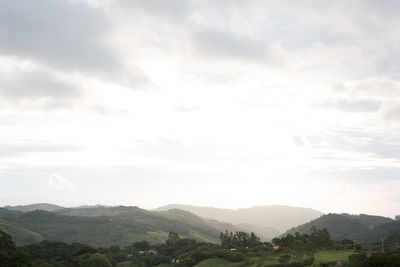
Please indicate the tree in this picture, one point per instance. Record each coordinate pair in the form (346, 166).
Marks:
(276, 241)
(84, 249)
(115, 249)
(41, 263)
(9, 255)
(321, 238)
(91, 260)
(284, 259)
(172, 239)
(141, 245)
(239, 238)
(299, 248)
(8, 249)
(356, 260)
(310, 248)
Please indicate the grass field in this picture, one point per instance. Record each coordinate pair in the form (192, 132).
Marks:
(331, 255)
(126, 264)
(130, 264)
(320, 256)
(219, 262)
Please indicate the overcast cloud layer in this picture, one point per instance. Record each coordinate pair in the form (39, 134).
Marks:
(212, 103)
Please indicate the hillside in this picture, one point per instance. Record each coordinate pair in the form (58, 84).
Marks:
(104, 226)
(274, 219)
(19, 233)
(364, 229)
(36, 206)
(6, 213)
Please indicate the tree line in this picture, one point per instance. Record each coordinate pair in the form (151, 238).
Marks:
(291, 250)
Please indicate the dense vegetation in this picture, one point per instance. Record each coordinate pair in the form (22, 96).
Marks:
(131, 237)
(267, 221)
(364, 229)
(36, 206)
(236, 249)
(105, 226)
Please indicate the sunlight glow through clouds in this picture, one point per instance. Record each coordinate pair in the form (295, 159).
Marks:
(274, 102)
(58, 182)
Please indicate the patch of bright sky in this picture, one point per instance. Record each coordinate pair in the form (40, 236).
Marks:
(186, 116)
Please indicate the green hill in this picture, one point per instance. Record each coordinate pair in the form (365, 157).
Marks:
(36, 206)
(266, 221)
(6, 213)
(365, 229)
(20, 234)
(105, 226)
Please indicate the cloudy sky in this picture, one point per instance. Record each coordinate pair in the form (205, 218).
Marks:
(214, 103)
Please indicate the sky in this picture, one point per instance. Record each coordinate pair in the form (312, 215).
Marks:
(223, 103)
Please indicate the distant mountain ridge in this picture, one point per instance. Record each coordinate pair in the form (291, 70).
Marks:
(275, 217)
(47, 221)
(36, 206)
(105, 226)
(365, 229)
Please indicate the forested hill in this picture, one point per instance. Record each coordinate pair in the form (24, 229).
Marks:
(275, 217)
(36, 206)
(105, 226)
(364, 229)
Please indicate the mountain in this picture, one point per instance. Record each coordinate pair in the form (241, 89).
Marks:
(265, 233)
(36, 206)
(6, 213)
(365, 229)
(272, 219)
(19, 233)
(105, 226)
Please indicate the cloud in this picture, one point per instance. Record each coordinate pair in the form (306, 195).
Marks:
(217, 44)
(65, 34)
(386, 9)
(175, 9)
(371, 146)
(390, 111)
(192, 108)
(37, 88)
(59, 182)
(298, 141)
(16, 150)
(383, 148)
(374, 87)
(351, 105)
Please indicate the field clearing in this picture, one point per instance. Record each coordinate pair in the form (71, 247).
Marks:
(131, 264)
(320, 257)
(127, 264)
(331, 255)
(219, 262)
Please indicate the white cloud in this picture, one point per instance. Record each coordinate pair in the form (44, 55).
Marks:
(59, 182)
(224, 89)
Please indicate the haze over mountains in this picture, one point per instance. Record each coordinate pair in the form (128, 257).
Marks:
(364, 229)
(47, 221)
(104, 226)
(36, 206)
(276, 217)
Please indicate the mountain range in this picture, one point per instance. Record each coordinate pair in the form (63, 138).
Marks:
(102, 225)
(105, 226)
(364, 229)
(36, 206)
(274, 219)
